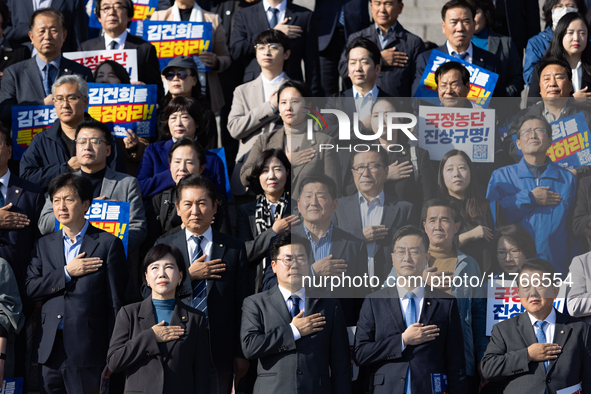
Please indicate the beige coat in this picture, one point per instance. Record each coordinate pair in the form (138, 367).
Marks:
(219, 48)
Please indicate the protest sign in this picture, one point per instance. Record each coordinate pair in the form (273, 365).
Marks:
(502, 302)
(111, 216)
(123, 107)
(470, 130)
(12, 386)
(570, 142)
(173, 39)
(482, 81)
(91, 59)
(142, 9)
(27, 121)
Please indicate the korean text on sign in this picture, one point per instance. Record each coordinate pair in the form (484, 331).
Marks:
(173, 39)
(91, 59)
(482, 81)
(29, 121)
(570, 142)
(470, 130)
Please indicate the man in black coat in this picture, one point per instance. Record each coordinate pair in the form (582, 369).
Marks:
(10, 53)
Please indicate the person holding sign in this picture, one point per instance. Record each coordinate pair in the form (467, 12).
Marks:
(540, 350)
(536, 193)
(408, 332)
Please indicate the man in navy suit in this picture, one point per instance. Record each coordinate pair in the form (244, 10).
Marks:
(79, 274)
(296, 22)
(29, 82)
(406, 332)
(115, 17)
(216, 281)
(458, 27)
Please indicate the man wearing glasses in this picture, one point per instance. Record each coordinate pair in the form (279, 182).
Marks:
(300, 341)
(115, 17)
(537, 194)
(53, 151)
(94, 142)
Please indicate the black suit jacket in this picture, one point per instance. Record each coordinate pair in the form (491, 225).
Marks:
(480, 57)
(326, 13)
(22, 84)
(87, 304)
(250, 22)
(224, 296)
(147, 60)
(11, 54)
(150, 367)
(17, 245)
(520, 24)
(378, 343)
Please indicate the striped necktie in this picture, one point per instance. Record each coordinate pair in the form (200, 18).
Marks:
(199, 298)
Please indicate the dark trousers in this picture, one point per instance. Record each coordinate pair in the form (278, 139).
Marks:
(329, 62)
(59, 376)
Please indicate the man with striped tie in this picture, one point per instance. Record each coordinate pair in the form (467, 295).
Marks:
(540, 351)
(300, 341)
(409, 334)
(216, 281)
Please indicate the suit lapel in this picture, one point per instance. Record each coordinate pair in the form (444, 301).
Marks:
(180, 242)
(429, 307)
(217, 252)
(179, 318)
(561, 334)
(291, 16)
(305, 145)
(261, 18)
(31, 73)
(57, 253)
(526, 330)
(352, 206)
(108, 186)
(310, 305)
(56, 5)
(493, 43)
(395, 309)
(90, 242)
(278, 303)
(14, 193)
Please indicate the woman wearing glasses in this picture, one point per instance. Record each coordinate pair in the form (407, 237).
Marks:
(512, 245)
(217, 60)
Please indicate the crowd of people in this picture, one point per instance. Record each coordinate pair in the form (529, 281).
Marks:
(226, 281)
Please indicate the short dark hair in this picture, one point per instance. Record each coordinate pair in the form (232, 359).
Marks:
(488, 10)
(81, 185)
(288, 238)
(451, 4)
(120, 71)
(536, 264)
(381, 151)
(157, 252)
(257, 169)
(409, 230)
(297, 85)
(91, 123)
(130, 9)
(528, 117)
(446, 67)
(48, 12)
(5, 12)
(320, 178)
(517, 235)
(543, 63)
(370, 46)
(195, 180)
(185, 141)
(6, 132)
(440, 202)
(184, 104)
(273, 36)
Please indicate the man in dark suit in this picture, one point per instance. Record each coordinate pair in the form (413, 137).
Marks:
(73, 12)
(115, 17)
(336, 21)
(9, 53)
(540, 350)
(215, 282)
(296, 22)
(79, 274)
(300, 341)
(399, 48)
(29, 82)
(458, 27)
(372, 215)
(406, 332)
(53, 151)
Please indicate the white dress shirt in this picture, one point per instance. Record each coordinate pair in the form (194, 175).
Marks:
(270, 87)
(548, 328)
(206, 243)
(363, 103)
(300, 293)
(577, 77)
(372, 213)
(470, 51)
(4, 188)
(280, 15)
(119, 40)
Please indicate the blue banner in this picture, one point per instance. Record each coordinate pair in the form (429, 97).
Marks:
(439, 383)
(482, 81)
(27, 121)
(12, 386)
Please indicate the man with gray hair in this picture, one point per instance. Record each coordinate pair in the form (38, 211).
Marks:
(29, 82)
(53, 151)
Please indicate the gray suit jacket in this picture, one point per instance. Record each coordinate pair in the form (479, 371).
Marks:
(579, 301)
(251, 115)
(505, 358)
(116, 186)
(318, 363)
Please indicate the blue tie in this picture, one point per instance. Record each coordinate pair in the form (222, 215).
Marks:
(410, 317)
(273, 21)
(460, 55)
(295, 309)
(47, 79)
(341, 17)
(199, 300)
(2, 201)
(541, 337)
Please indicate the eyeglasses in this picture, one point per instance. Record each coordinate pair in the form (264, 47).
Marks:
(93, 141)
(401, 253)
(373, 168)
(540, 132)
(69, 99)
(502, 254)
(115, 7)
(182, 74)
(288, 261)
(274, 48)
(454, 86)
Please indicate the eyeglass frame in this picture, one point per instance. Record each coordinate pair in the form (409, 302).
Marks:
(513, 252)
(373, 168)
(300, 262)
(527, 133)
(68, 99)
(417, 253)
(87, 140)
(273, 46)
(107, 9)
(182, 77)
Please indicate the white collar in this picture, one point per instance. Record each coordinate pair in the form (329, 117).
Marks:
(374, 92)
(196, 13)
(5, 178)
(470, 50)
(286, 293)
(208, 235)
(119, 40)
(281, 7)
(380, 197)
(419, 292)
(551, 318)
(277, 79)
